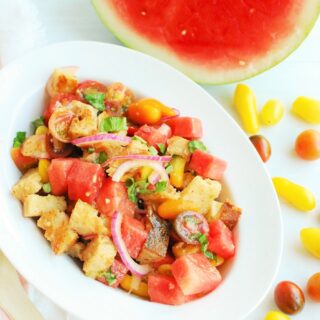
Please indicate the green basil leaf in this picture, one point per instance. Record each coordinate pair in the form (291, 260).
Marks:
(169, 168)
(161, 186)
(139, 139)
(109, 277)
(162, 148)
(101, 158)
(153, 151)
(96, 100)
(37, 123)
(19, 139)
(113, 124)
(46, 187)
(196, 145)
(91, 150)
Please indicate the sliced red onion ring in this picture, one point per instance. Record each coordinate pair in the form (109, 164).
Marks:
(135, 268)
(134, 164)
(154, 177)
(101, 137)
(138, 157)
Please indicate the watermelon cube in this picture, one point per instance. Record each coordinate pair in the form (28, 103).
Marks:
(195, 274)
(207, 165)
(186, 127)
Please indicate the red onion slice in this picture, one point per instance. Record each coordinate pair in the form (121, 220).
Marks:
(134, 164)
(154, 177)
(138, 157)
(101, 137)
(135, 268)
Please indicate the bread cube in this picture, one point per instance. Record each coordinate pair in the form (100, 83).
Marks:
(30, 183)
(202, 192)
(98, 256)
(57, 230)
(75, 251)
(34, 205)
(179, 146)
(85, 221)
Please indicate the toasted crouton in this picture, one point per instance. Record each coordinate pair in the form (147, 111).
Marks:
(201, 191)
(169, 194)
(213, 213)
(85, 221)
(62, 81)
(98, 256)
(57, 230)
(34, 205)
(30, 183)
(178, 146)
(75, 251)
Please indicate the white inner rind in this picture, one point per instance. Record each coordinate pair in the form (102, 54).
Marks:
(198, 72)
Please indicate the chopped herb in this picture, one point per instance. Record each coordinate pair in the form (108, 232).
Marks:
(19, 139)
(124, 108)
(202, 238)
(46, 187)
(96, 100)
(37, 123)
(196, 145)
(101, 158)
(91, 150)
(136, 187)
(109, 277)
(113, 124)
(161, 186)
(153, 151)
(137, 138)
(169, 168)
(162, 148)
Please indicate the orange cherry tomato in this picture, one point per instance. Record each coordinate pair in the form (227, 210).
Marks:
(165, 111)
(141, 113)
(262, 145)
(289, 297)
(313, 287)
(308, 145)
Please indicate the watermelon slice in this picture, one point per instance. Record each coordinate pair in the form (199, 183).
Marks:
(212, 41)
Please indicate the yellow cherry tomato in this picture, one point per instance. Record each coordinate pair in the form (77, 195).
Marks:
(43, 167)
(297, 195)
(177, 173)
(246, 105)
(170, 209)
(276, 315)
(308, 109)
(41, 130)
(165, 111)
(142, 113)
(141, 291)
(310, 238)
(272, 112)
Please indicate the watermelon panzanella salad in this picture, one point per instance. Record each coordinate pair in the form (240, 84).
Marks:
(127, 187)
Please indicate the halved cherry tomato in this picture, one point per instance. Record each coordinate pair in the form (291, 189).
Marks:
(57, 149)
(62, 99)
(90, 86)
(143, 113)
(23, 163)
(59, 124)
(289, 297)
(308, 145)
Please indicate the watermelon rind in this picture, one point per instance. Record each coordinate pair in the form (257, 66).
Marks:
(199, 73)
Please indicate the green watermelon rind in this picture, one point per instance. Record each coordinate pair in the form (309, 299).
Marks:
(198, 74)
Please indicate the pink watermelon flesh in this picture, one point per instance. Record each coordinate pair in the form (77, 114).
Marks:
(213, 41)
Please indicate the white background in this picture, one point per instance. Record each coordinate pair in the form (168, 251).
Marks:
(298, 75)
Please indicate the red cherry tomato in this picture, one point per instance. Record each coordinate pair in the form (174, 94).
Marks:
(90, 86)
(62, 99)
(313, 287)
(308, 145)
(289, 297)
(262, 145)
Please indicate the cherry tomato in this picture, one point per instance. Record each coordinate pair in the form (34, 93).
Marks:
(57, 149)
(90, 86)
(262, 145)
(143, 113)
(62, 99)
(313, 287)
(308, 145)
(289, 297)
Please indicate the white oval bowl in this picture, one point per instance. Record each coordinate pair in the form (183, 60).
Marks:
(259, 236)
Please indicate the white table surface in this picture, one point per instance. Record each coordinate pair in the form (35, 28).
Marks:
(298, 75)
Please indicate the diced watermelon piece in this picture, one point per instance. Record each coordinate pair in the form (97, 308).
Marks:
(58, 172)
(154, 136)
(164, 289)
(186, 127)
(119, 270)
(195, 274)
(207, 165)
(113, 196)
(134, 235)
(84, 181)
(221, 239)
